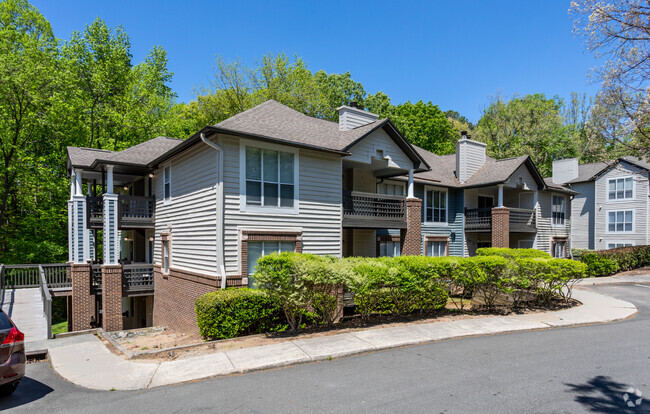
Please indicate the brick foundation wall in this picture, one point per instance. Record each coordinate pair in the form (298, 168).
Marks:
(411, 237)
(500, 227)
(112, 298)
(83, 302)
(175, 293)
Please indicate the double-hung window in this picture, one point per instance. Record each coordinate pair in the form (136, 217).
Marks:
(558, 210)
(435, 206)
(559, 248)
(614, 245)
(389, 248)
(437, 248)
(620, 188)
(166, 260)
(620, 221)
(167, 184)
(259, 249)
(270, 178)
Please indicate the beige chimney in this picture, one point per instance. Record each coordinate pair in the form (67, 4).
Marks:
(565, 170)
(470, 157)
(353, 116)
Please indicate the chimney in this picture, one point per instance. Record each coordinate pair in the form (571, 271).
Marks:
(354, 116)
(565, 170)
(470, 157)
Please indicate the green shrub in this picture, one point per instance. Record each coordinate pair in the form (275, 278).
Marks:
(512, 253)
(549, 278)
(577, 253)
(234, 312)
(599, 264)
(487, 276)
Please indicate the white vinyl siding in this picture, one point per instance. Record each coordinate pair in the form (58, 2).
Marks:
(379, 145)
(583, 216)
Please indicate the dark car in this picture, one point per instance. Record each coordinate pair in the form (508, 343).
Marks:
(12, 355)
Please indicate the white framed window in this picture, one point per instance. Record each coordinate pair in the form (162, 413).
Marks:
(167, 184)
(559, 248)
(620, 188)
(396, 189)
(389, 248)
(558, 210)
(435, 205)
(258, 249)
(166, 253)
(437, 248)
(616, 244)
(620, 221)
(269, 179)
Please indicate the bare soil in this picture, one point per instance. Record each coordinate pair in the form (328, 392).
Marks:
(160, 339)
(635, 272)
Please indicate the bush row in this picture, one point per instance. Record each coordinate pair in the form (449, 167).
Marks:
(305, 287)
(607, 262)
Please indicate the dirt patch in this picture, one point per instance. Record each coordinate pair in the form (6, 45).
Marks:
(635, 272)
(153, 344)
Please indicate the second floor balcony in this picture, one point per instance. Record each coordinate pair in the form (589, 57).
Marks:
(372, 210)
(521, 220)
(133, 212)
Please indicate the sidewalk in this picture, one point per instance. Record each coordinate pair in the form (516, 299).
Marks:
(85, 361)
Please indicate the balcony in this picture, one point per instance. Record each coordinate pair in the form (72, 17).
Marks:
(137, 279)
(480, 220)
(371, 210)
(134, 212)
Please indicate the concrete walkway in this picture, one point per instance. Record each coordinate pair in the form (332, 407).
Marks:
(25, 308)
(85, 361)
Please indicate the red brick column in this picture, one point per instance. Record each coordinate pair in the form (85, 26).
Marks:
(500, 227)
(83, 303)
(112, 298)
(411, 237)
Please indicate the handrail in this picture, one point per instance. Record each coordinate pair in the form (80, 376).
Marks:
(47, 301)
(374, 195)
(2, 280)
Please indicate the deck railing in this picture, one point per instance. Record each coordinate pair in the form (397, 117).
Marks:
(373, 210)
(523, 220)
(28, 275)
(138, 277)
(47, 300)
(95, 208)
(136, 210)
(478, 219)
(96, 276)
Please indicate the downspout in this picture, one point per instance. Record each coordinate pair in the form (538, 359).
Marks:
(220, 205)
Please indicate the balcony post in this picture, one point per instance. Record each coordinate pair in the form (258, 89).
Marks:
(500, 198)
(411, 190)
(112, 298)
(83, 302)
(501, 227)
(110, 218)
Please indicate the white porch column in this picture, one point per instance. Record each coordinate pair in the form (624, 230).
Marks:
(71, 244)
(77, 223)
(411, 190)
(109, 179)
(110, 217)
(500, 199)
(78, 185)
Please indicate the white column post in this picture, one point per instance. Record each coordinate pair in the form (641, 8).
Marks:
(109, 179)
(71, 227)
(78, 186)
(411, 190)
(73, 185)
(110, 217)
(500, 199)
(78, 229)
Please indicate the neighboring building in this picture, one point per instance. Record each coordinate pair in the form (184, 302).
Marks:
(611, 209)
(172, 220)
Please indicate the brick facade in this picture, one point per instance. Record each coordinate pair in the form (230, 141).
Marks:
(411, 237)
(112, 298)
(83, 302)
(175, 293)
(500, 227)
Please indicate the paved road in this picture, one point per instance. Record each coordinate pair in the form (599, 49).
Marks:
(580, 369)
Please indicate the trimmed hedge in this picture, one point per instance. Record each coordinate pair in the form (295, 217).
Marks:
(607, 262)
(512, 253)
(234, 312)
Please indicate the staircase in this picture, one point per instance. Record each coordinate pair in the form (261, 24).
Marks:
(25, 308)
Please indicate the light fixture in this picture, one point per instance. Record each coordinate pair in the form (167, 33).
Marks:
(126, 239)
(151, 239)
(126, 188)
(150, 175)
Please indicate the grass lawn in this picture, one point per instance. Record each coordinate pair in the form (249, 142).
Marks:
(60, 327)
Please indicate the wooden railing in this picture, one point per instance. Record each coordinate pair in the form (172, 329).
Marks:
(138, 277)
(373, 210)
(57, 275)
(47, 300)
(478, 219)
(136, 210)
(95, 209)
(523, 220)
(96, 277)
(28, 275)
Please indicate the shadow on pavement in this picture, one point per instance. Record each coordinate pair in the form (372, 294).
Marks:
(602, 394)
(29, 390)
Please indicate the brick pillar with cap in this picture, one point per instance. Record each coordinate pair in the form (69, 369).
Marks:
(112, 298)
(83, 302)
(500, 227)
(411, 237)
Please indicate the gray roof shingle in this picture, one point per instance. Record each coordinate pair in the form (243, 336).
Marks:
(83, 157)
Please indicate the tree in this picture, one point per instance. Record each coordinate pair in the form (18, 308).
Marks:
(338, 89)
(619, 31)
(426, 126)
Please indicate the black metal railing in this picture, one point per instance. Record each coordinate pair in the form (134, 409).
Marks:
(523, 220)
(96, 276)
(138, 277)
(478, 219)
(95, 209)
(373, 210)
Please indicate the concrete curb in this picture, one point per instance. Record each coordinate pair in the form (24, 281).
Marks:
(88, 363)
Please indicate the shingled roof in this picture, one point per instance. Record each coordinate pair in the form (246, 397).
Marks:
(80, 157)
(589, 172)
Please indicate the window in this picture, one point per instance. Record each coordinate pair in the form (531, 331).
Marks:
(256, 250)
(435, 206)
(614, 245)
(389, 248)
(390, 189)
(559, 248)
(167, 184)
(166, 254)
(621, 188)
(620, 221)
(269, 178)
(558, 210)
(436, 246)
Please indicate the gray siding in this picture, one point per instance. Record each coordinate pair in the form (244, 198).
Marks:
(470, 157)
(191, 217)
(583, 209)
(319, 217)
(639, 204)
(546, 232)
(455, 223)
(367, 149)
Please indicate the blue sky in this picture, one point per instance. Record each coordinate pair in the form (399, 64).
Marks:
(455, 54)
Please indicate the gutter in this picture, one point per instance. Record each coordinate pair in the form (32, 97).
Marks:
(220, 215)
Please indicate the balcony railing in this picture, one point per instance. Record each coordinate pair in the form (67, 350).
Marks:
(521, 220)
(138, 277)
(28, 276)
(371, 210)
(133, 212)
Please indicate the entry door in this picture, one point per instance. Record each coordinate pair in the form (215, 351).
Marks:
(485, 202)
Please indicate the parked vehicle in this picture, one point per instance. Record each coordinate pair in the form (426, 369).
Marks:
(12, 355)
